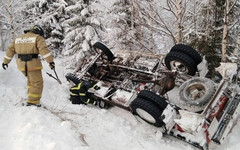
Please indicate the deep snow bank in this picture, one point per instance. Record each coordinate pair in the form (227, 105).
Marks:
(63, 126)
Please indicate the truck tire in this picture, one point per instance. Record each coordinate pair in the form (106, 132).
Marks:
(148, 111)
(189, 51)
(194, 94)
(72, 78)
(151, 96)
(107, 54)
(181, 62)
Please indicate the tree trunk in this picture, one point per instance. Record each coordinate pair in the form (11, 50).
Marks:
(139, 26)
(195, 19)
(225, 30)
(132, 14)
(9, 9)
(151, 41)
(179, 21)
(207, 21)
(236, 49)
(2, 40)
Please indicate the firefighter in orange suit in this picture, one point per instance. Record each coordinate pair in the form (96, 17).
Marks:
(27, 47)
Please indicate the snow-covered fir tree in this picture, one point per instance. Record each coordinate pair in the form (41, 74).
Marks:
(114, 18)
(49, 15)
(80, 30)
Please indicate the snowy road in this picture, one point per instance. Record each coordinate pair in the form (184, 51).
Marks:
(63, 126)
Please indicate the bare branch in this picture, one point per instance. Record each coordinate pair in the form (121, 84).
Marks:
(235, 23)
(5, 22)
(3, 15)
(170, 6)
(232, 6)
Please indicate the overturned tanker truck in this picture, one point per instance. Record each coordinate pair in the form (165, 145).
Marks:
(166, 91)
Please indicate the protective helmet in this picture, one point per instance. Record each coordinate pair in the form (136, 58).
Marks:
(37, 30)
(87, 84)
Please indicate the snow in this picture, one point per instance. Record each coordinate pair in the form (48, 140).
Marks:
(63, 2)
(84, 12)
(188, 121)
(42, 2)
(76, 7)
(59, 125)
(227, 69)
(89, 33)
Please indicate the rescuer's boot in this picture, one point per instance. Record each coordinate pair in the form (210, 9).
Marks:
(30, 104)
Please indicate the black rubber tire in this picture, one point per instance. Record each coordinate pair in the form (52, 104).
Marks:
(204, 90)
(73, 78)
(106, 51)
(151, 96)
(187, 61)
(148, 107)
(189, 51)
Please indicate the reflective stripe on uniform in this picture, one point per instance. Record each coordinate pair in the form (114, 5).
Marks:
(30, 69)
(46, 55)
(88, 101)
(9, 58)
(25, 40)
(73, 94)
(34, 95)
(78, 87)
(82, 94)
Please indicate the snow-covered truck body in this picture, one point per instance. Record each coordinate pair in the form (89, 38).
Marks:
(215, 121)
(202, 112)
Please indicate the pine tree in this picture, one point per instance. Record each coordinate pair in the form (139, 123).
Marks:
(117, 27)
(49, 15)
(80, 31)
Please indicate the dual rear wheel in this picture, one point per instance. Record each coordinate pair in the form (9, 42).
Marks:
(183, 59)
(149, 107)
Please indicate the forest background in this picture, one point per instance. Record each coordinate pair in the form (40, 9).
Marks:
(73, 26)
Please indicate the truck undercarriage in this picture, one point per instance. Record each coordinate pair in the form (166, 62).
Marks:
(200, 112)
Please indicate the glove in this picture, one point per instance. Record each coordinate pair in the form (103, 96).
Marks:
(96, 87)
(52, 65)
(5, 66)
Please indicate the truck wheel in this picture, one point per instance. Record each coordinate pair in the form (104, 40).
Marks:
(189, 51)
(148, 111)
(106, 53)
(151, 96)
(72, 78)
(195, 94)
(180, 62)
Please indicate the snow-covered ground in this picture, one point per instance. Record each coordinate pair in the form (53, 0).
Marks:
(63, 126)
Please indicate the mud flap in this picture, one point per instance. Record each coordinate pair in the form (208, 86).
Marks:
(189, 121)
(168, 116)
(227, 69)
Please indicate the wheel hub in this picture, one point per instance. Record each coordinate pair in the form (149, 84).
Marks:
(145, 115)
(196, 91)
(178, 66)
